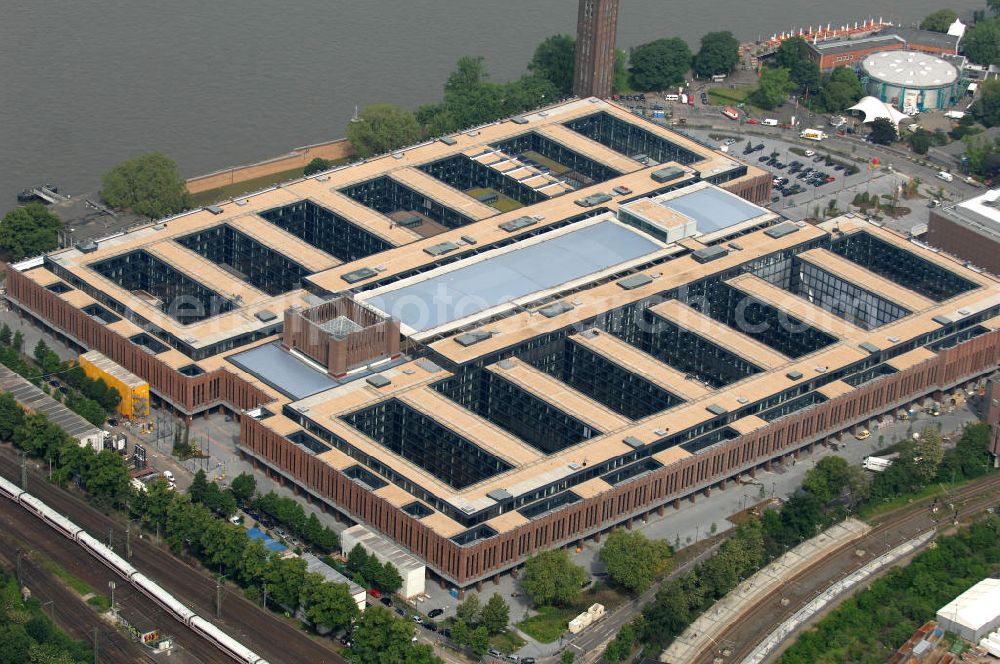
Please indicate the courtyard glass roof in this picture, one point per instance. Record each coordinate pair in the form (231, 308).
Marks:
(713, 209)
(483, 283)
(282, 371)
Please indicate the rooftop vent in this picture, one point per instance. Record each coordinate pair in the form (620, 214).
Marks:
(661, 432)
(397, 155)
(517, 224)
(358, 275)
(794, 375)
(378, 380)
(709, 254)
(499, 494)
(556, 309)
(894, 340)
(469, 338)
(241, 201)
(633, 442)
(265, 315)
(742, 400)
(820, 369)
(448, 140)
(942, 320)
(427, 365)
(666, 174)
(468, 239)
(441, 248)
(869, 347)
(635, 281)
(506, 363)
(519, 119)
(86, 247)
(716, 409)
(214, 209)
(781, 230)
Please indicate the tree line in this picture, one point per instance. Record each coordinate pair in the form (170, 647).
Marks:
(870, 626)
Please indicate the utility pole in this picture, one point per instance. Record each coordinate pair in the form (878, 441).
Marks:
(111, 585)
(24, 470)
(265, 596)
(20, 578)
(128, 542)
(95, 645)
(218, 598)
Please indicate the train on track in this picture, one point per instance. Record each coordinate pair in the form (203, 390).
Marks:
(119, 565)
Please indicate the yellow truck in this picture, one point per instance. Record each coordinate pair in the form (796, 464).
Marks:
(133, 390)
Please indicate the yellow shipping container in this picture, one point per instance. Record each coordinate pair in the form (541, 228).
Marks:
(133, 390)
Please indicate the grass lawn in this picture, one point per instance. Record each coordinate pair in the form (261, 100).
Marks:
(76, 583)
(870, 512)
(502, 203)
(727, 96)
(548, 624)
(553, 166)
(507, 642)
(210, 196)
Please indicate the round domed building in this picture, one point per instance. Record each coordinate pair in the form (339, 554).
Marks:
(909, 80)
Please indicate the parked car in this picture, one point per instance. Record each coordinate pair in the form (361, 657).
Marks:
(434, 613)
(758, 147)
(430, 626)
(374, 593)
(495, 652)
(400, 612)
(385, 601)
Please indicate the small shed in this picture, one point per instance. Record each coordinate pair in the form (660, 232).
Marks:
(410, 569)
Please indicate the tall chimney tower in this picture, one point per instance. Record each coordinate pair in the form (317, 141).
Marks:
(595, 48)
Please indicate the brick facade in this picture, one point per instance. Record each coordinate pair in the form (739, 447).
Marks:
(962, 241)
(466, 565)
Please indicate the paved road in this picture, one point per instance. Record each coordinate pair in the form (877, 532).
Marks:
(276, 639)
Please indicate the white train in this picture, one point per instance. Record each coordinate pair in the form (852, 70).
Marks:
(143, 583)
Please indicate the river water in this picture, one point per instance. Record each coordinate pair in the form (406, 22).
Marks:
(216, 83)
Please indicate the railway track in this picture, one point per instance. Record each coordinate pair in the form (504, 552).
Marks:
(756, 622)
(277, 640)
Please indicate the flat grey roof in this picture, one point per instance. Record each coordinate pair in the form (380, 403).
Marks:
(484, 283)
(32, 398)
(283, 371)
(713, 209)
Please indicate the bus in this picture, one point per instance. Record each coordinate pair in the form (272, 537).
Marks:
(731, 113)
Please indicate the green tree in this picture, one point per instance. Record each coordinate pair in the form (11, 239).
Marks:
(150, 185)
(243, 486)
(317, 165)
(17, 343)
(806, 75)
(11, 416)
(381, 639)
(632, 560)
(621, 71)
(981, 42)
(669, 613)
(41, 350)
(622, 645)
(468, 610)
(773, 87)
(88, 409)
(327, 604)
(550, 578)
(986, 108)
(5, 335)
(790, 51)
(461, 633)
(840, 90)
(567, 657)
(108, 482)
(495, 615)
(829, 479)
(719, 54)
(883, 131)
(993, 6)
(920, 141)
(199, 487)
(284, 578)
(939, 21)
(554, 60)
(479, 640)
(382, 128)
(660, 64)
(388, 578)
(29, 231)
(928, 453)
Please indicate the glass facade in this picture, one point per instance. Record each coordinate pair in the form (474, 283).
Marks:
(326, 230)
(385, 195)
(580, 171)
(246, 258)
(630, 139)
(464, 173)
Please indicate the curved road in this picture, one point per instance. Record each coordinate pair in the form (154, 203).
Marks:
(276, 639)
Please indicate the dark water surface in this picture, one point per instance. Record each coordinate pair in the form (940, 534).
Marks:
(86, 84)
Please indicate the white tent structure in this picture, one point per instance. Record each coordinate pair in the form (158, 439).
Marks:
(873, 108)
(957, 29)
(974, 613)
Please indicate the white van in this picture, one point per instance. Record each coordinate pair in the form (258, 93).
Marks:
(946, 176)
(769, 122)
(671, 97)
